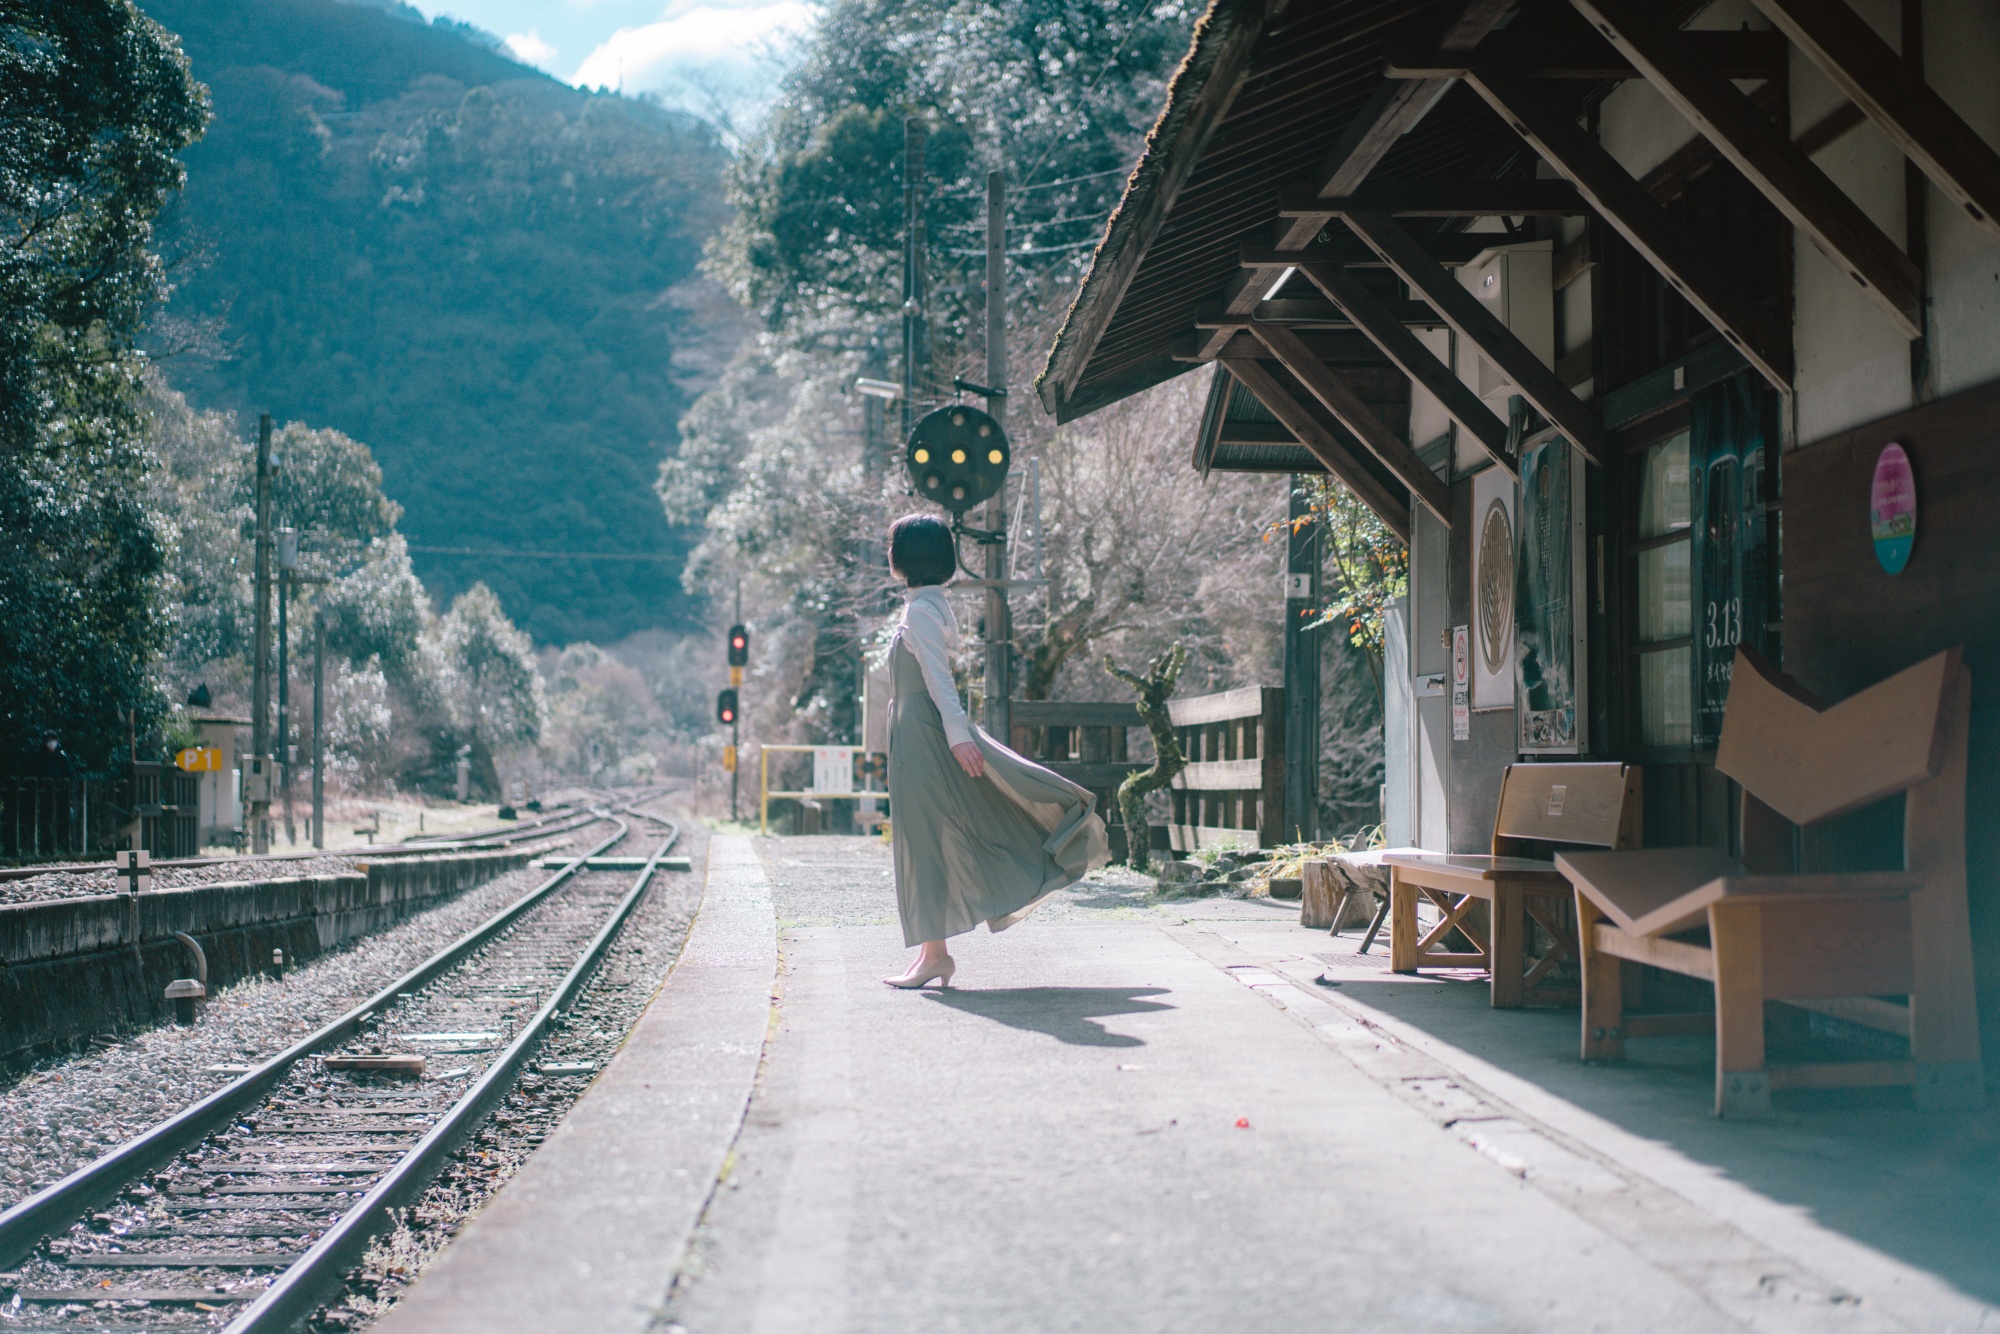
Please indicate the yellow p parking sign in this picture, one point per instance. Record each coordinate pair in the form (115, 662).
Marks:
(200, 759)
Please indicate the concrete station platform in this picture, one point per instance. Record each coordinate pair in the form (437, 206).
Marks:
(1147, 1118)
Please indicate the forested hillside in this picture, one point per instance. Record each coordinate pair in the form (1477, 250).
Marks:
(481, 273)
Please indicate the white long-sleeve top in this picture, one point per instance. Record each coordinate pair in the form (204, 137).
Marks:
(931, 631)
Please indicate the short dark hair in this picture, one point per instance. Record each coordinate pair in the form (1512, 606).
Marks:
(922, 550)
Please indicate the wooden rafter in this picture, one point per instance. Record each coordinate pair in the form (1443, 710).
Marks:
(1624, 204)
(1450, 249)
(1583, 55)
(1466, 313)
(1767, 159)
(1919, 122)
(1393, 111)
(1373, 317)
(1334, 395)
(1310, 313)
(1442, 199)
(1310, 432)
(1344, 346)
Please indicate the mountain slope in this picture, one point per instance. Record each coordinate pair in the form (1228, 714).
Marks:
(478, 271)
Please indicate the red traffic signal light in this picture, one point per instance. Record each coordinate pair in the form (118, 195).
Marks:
(725, 707)
(739, 646)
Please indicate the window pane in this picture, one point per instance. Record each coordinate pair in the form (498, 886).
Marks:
(1666, 500)
(1666, 607)
(1666, 697)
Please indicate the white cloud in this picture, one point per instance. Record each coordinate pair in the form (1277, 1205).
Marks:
(529, 48)
(710, 58)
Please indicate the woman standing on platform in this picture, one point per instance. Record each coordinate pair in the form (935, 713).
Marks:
(979, 833)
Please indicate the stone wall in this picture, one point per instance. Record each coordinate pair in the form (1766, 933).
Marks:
(73, 967)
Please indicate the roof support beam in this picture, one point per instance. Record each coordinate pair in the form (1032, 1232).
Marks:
(1333, 456)
(1310, 314)
(1386, 117)
(1733, 55)
(1918, 121)
(1450, 249)
(1442, 199)
(1374, 318)
(1624, 204)
(1767, 159)
(1346, 406)
(1469, 315)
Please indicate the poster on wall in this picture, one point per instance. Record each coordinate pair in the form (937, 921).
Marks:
(1492, 647)
(1461, 689)
(1548, 600)
(1726, 466)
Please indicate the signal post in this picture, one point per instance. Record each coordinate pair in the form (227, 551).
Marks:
(727, 706)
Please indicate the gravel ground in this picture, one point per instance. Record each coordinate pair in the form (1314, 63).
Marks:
(625, 983)
(61, 1113)
(76, 884)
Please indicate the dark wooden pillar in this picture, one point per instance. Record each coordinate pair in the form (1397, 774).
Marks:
(1302, 659)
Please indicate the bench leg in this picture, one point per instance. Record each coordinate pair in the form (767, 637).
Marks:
(1603, 989)
(1504, 949)
(1375, 925)
(1742, 1086)
(1402, 924)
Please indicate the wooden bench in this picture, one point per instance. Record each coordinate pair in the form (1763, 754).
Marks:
(1840, 942)
(1598, 804)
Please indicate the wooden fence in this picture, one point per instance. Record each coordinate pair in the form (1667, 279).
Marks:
(1086, 742)
(43, 819)
(1231, 794)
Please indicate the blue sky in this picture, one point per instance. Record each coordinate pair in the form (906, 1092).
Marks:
(719, 58)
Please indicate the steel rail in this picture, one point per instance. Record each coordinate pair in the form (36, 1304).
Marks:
(24, 1225)
(417, 846)
(318, 1273)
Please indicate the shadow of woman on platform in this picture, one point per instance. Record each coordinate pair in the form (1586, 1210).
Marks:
(1067, 1014)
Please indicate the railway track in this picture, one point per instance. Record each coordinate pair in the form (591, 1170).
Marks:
(559, 821)
(245, 1210)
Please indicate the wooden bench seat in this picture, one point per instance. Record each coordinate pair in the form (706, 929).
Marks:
(1853, 944)
(1560, 803)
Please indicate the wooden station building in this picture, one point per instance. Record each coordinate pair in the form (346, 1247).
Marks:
(1613, 309)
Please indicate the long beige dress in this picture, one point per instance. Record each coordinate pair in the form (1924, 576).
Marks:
(972, 850)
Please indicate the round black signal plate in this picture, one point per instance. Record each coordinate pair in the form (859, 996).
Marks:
(957, 457)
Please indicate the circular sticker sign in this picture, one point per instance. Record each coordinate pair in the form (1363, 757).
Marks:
(1892, 508)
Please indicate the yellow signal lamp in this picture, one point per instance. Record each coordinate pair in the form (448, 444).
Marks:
(922, 456)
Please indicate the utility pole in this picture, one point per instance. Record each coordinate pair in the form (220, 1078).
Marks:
(288, 561)
(999, 624)
(916, 341)
(259, 775)
(319, 726)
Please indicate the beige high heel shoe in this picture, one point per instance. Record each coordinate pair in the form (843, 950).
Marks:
(912, 981)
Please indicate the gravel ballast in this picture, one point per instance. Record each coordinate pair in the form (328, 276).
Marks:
(62, 1113)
